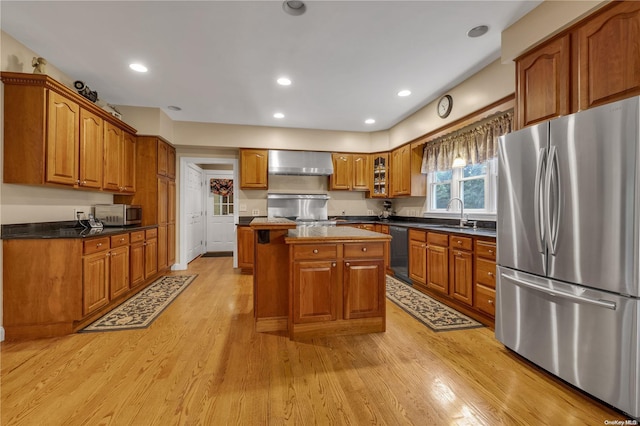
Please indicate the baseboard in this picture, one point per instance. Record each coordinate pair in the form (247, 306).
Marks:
(1, 334)
(178, 267)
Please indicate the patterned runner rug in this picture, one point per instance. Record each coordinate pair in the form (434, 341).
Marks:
(143, 308)
(430, 312)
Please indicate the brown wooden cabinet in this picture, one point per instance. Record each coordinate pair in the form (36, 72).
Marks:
(609, 55)
(594, 62)
(461, 268)
(485, 276)
(171, 162)
(418, 257)
(438, 262)
(380, 174)
(128, 165)
(95, 288)
(253, 168)
(315, 291)
(350, 172)
(150, 253)
(544, 82)
(163, 253)
(400, 169)
(113, 152)
(53, 136)
(118, 271)
(91, 162)
(364, 285)
(136, 259)
(245, 246)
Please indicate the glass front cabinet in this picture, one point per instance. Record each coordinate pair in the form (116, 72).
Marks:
(380, 175)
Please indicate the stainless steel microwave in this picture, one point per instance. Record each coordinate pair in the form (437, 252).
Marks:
(118, 214)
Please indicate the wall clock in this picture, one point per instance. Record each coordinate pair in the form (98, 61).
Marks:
(445, 104)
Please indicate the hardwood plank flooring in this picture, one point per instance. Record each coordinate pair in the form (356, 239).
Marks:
(201, 363)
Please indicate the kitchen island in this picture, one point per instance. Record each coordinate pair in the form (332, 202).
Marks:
(335, 279)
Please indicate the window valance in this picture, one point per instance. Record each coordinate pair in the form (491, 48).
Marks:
(474, 144)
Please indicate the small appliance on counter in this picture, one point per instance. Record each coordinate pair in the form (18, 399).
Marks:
(118, 214)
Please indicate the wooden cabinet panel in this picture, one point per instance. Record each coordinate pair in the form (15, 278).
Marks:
(544, 82)
(95, 245)
(361, 176)
(253, 169)
(364, 289)
(136, 264)
(438, 268)
(315, 251)
(485, 249)
(128, 164)
(486, 300)
(245, 241)
(63, 136)
(461, 243)
(171, 202)
(609, 55)
(119, 240)
(461, 275)
(171, 162)
(363, 250)
(314, 291)
(150, 257)
(163, 197)
(486, 272)
(418, 261)
(171, 244)
(112, 158)
(119, 272)
(95, 279)
(163, 254)
(161, 164)
(342, 171)
(91, 150)
(434, 238)
(401, 171)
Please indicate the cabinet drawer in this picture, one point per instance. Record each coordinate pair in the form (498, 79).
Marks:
(433, 238)
(462, 243)
(319, 251)
(486, 272)
(151, 233)
(417, 235)
(486, 249)
(95, 245)
(136, 237)
(357, 250)
(119, 240)
(486, 300)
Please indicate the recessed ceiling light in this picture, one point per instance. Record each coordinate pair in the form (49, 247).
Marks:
(138, 67)
(369, 121)
(404, 93)
(294, 7)
(284, 81)
(278, 115)
(477, 31)
(174, 108)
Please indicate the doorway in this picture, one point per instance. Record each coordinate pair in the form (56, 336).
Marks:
(230, 167)
(220, 209)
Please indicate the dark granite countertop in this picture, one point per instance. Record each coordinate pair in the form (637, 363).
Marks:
(67, 229)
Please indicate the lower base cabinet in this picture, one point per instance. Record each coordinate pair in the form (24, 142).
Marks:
(118, 272)
(315, 285)
(364, 281)
(95, 282)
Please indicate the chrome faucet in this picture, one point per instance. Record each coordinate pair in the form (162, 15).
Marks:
(462, 219)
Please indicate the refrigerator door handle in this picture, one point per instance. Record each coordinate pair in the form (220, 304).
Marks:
(551, 222)
(540, 172)
(555, 293)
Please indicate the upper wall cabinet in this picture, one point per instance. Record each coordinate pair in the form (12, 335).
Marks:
(592, 63)
(401, 171)
(380, 174)
(350, 172)
(609, 55)
(253, 169)
(544, 82)
(53, 136)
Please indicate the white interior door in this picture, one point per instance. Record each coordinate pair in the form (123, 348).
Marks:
(220, 211)
(193, 214)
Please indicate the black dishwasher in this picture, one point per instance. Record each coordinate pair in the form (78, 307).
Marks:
(400, 252)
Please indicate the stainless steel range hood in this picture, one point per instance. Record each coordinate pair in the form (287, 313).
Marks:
(305, 163)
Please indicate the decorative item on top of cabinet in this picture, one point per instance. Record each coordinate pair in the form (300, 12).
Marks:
(350, 172)
(380, 187)
(544, 82)
(253, 168)
(43, 133)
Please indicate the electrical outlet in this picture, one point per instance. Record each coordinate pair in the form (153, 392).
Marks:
(75, 214)
(243, 208)
(255, 212)
(370, 212)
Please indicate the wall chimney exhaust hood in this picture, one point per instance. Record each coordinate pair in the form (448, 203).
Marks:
(301, 163)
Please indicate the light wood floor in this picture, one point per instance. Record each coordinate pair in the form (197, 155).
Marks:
(201, 363)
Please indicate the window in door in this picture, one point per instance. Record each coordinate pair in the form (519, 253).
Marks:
(222, 196)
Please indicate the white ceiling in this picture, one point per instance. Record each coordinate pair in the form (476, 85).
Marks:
(219, 60)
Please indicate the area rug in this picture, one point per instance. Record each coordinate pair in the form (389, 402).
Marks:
(143, 308)
(430, 312)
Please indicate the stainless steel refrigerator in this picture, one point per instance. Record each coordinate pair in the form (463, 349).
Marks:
(568, 231)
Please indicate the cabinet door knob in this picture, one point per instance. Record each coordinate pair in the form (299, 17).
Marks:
(347, 264)
(490, 301)
(364, 249)
(122, 240)
(458, 254)
(490, 251)
(99, 245)
(459, 242)
(315, 251)
(108, 254)
(333, 264)
(490, 274)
